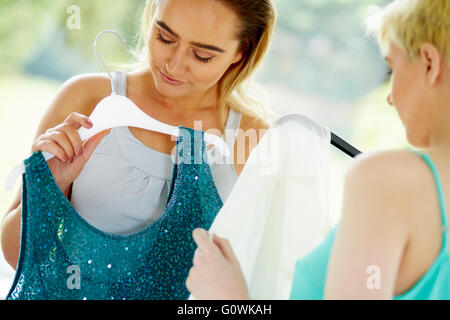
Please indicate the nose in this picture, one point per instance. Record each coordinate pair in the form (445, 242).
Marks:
(389, 99)
(176, 67)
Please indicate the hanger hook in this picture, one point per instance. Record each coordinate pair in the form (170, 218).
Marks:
(96, 51)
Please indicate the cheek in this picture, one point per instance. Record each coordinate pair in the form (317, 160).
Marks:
(401, 95)
(207, 73)
(158, 53)
(415, 118)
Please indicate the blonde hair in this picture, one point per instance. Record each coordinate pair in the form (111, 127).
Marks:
(258, 20)
(410, 23)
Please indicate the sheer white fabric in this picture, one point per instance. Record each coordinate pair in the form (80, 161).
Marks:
(278, 211)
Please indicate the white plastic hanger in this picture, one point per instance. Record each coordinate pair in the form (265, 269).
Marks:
(119, 111)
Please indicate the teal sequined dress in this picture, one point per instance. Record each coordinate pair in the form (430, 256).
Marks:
(64, 257)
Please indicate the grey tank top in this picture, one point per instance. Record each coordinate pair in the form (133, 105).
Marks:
(124, 185)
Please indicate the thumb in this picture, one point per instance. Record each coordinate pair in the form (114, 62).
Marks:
(92, 143)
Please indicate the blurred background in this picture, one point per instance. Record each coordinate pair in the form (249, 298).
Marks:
(320, 64)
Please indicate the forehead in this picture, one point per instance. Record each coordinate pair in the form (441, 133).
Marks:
(199, 20)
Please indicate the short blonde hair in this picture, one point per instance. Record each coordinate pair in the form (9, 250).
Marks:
(258, 20)
(411, 23)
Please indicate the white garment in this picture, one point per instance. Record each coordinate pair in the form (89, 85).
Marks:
(278, 210)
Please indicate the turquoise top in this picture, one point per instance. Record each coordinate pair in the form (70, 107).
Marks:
(62, 256)
(310, 272)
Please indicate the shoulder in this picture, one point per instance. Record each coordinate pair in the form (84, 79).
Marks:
(251, 130)
(81, 89)
(251, 123)
(382, 186)
(78, 94)
(385, 168)
(250, 133)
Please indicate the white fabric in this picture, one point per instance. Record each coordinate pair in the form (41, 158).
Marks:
(278, 210)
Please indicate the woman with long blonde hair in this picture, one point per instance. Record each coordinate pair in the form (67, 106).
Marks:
(197, 56)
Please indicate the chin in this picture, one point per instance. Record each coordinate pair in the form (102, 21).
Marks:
(168, 91)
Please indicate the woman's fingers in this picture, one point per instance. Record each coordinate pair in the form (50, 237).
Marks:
(77, 120)
(52, 147)
(205, 245)
(226, 249)
(66, 136)
(62, 140)
(73, 136)
(217, 245)
(71, 125)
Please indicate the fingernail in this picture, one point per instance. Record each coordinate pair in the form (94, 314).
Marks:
(89, 122)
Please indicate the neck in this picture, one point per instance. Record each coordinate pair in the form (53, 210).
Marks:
(440, 139)
(192, 103)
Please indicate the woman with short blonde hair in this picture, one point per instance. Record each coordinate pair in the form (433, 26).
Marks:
(392, 240)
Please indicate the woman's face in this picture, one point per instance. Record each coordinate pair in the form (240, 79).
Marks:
(193, 43)
(408, 96)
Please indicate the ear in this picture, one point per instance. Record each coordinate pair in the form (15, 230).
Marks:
(237, 57)
(432, 62)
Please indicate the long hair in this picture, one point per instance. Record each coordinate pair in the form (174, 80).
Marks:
(257, 19)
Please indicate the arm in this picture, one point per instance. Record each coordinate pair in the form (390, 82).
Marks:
(79, 94)
(373, 231)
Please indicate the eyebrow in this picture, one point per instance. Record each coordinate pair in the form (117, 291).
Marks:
(197, 44)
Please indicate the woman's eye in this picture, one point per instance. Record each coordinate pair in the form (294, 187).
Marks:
(205, 60)
(159, 37)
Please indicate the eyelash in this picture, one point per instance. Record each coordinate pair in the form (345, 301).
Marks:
(204, 60)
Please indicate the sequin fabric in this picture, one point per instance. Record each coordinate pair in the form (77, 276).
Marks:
(62, 256)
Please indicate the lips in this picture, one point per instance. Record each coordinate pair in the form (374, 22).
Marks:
(170, 80)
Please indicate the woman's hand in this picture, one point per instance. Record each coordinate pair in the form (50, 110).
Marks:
(216, 274)
(71, 154)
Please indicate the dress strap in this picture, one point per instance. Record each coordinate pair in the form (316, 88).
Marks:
(437, 180)
(119, 83)
(231, 129)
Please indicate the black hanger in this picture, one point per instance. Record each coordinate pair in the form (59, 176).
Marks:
(344, 146)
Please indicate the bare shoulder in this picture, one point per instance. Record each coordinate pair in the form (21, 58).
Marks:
(250, 122)
(79, 94)
(79, 90)
(251, 131)
(386, 167)
(385, 184)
